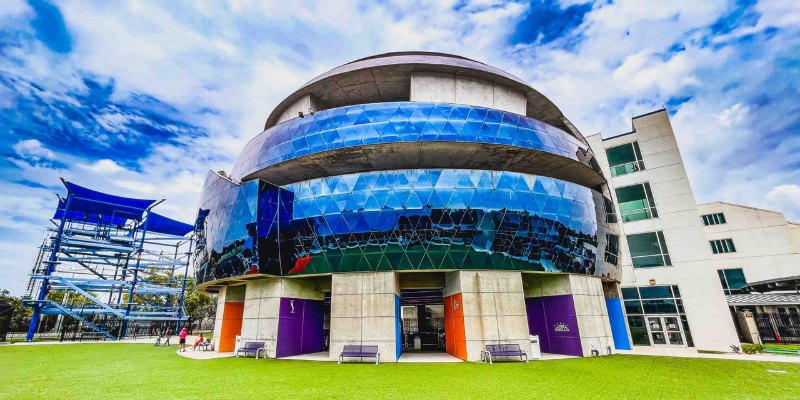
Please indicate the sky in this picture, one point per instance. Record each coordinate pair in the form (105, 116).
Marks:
(143, 98)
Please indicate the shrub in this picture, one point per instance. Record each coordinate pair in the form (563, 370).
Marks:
(751, 348)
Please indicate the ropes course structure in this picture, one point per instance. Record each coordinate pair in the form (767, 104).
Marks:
(110, 263)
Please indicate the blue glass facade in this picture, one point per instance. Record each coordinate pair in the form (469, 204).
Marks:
(400, 220)
(384, 123)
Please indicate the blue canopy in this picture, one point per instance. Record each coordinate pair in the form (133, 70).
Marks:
(88, 217)
(161, 224)
(88, 201)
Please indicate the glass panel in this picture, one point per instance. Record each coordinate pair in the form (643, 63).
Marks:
(671, 323)
(621, 154)
(646, 251)
(735, 278)
(624, 159)
(629, 293)
(675, 338)
(612, 248)
(655, 324)
(655, 292)
(686, 331)
(633, 203)
(659, 307)
(643, 244)
(633, 307)
(638, 331)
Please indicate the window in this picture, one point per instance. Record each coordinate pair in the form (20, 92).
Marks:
(714, 219)
(722, 246)
(636, 203)
(625, 159)
(648, 250)
(646, 301)
(611, 215)
(612, 249)
(732, 280)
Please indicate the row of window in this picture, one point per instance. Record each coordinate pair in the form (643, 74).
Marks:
(649, 249)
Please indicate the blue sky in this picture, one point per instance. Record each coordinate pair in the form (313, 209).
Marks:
(142, 98)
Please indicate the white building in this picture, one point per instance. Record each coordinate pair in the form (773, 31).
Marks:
(680, 259)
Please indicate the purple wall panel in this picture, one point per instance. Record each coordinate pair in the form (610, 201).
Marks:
(553, 319)
(299, 327)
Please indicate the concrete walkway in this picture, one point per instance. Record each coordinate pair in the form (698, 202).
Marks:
(411, 357)
(687, 352)
(321, 356)
(203, 355)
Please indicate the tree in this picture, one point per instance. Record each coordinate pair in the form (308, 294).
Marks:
(199, 305)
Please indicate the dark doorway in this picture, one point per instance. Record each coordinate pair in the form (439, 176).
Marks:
(422, 313)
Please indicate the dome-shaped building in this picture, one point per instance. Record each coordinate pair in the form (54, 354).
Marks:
(412, 201)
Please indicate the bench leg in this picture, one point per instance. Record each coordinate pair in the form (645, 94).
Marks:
(378, 359)
(340, 359)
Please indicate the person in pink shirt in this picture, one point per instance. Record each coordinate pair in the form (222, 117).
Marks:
(182, 342)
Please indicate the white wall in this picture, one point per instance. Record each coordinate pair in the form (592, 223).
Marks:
(692, 268)
(452, 88)
(303, 104)
(766, 245)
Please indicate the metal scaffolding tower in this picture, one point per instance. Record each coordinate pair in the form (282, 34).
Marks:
(109, 262)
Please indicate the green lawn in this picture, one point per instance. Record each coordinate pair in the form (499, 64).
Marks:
(136, 371)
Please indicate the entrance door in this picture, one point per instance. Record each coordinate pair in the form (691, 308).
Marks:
(665, 331)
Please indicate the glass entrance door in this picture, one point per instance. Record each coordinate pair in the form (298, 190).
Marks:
(665, 331)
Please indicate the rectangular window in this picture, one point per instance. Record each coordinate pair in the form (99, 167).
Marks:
(648, 250)
(612, 249)
(611, 215)
(714, 219)
(722, 246)
(645, 302)
(625, 159)
(732, 280)
(636, 202)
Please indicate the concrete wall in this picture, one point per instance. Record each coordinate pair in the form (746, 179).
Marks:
(452, 88)
(303, 104)
(589, 305)
(692, 270)
(262, 306)
(766, 246)
(493, 308)
(364, 311)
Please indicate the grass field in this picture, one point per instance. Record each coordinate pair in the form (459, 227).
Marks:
(136, 371)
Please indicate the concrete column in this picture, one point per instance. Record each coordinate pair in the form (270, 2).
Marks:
(569, 314)
(263, 310)
(364, 311)
(493, 308)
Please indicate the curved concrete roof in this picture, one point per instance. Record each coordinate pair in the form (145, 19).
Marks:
(385, 77)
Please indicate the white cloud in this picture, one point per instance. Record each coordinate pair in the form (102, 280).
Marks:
(137, 186)
(103, 166)
(786, 197)
(239, 61)
(32, 148)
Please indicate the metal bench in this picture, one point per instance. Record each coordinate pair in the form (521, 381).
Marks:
(251, 348)
(360, 351)
(503, 350)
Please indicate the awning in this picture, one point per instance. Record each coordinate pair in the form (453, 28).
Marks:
(161, 224)
(763, 299)
(786, 283)
(87, 201)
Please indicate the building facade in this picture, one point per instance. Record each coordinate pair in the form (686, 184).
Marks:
(687, 267)
(413, 201)
(428, 202)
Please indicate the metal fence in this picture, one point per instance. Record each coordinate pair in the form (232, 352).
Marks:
(778, 327)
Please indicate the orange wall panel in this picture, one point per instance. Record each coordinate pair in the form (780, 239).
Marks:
(455, 339)
(231, 325)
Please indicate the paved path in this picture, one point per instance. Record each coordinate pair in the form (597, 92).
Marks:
(692, 353)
